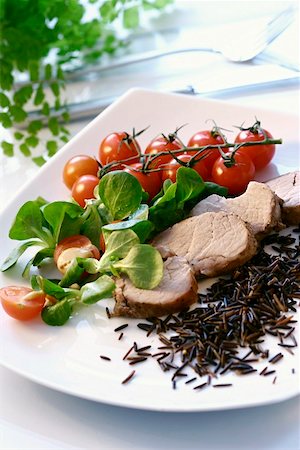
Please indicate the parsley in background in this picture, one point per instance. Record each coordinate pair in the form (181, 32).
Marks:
(33, 34)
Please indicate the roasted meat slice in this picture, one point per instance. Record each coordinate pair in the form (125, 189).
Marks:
(213, 243)
(176, 291)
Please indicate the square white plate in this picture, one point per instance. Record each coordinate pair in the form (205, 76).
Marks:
(68, 358)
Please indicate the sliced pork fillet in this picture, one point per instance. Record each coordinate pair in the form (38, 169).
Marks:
(176, 291)
(213, 243)
(287, 187)
(258, 206)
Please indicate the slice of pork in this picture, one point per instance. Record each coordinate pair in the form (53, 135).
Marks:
(287, 187)
(258, 206)
(176, 291)
(213, 243)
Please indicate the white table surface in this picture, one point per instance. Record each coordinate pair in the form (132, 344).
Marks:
(35, 417)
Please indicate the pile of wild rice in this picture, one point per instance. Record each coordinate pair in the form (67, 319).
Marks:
(237, 312)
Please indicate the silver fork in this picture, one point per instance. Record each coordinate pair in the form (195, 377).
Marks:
(245, 44)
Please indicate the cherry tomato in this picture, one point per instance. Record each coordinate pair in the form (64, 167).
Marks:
(235, 178)
(118, 147)
(78, 166)
(261, 155)
(171, 168)
(83, 188)
(162, 144)
(207, 137)
(71, 247)
(150, 181)
(21, 303)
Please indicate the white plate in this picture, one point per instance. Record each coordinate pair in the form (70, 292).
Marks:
(68, 358)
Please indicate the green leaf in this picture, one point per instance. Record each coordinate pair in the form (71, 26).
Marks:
(58, 314)
(142, 228)
(117, 246)
(97, 290)
(60, 74)
(34, 71)
(52, 289)
(74, 272)
(55, 88)
(39, 160)
(28, 223)
(18, 135)
(121, 193)
(53, 125)
(25, 149)
(8, 148)
(18, 113)
(4, 100)
(52, 147)
(131, 17)
(189, 185)
(22, 95)
(56, 212)
(39, 95)
(32, 141)
(35, 126)
(141, 213)
(143, 265)
(92, 224)
(41, 255)
(48, 71)
(213, 188)
(46, 110)
(5, 120)
(16, 253)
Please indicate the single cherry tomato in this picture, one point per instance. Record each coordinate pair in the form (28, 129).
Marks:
(22, 303)
(83, 188)
(236, 177)
(78, 166)
(171, 168)
(150, 181)
(262, 154)
(204, 138)
(118, 147)
(72, 247)
(162, 144)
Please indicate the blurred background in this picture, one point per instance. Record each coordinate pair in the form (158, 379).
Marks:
(63, 62)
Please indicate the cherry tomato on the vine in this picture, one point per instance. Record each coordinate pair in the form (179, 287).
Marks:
(118, 147)
(162, 144)
(171, 168)
(236, 177)
(73, 247)
(150, 181)
(77, 166)
(261, 154)
(204, 138)
(21, 303)
(83, 188)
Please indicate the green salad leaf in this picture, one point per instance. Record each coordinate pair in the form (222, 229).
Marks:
(143, 265)
(121, 193)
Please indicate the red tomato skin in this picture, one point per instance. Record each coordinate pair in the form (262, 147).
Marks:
(171, 168)
(162, 144)
(21, 303)
(113, 148)
(150, 182)
(78, 166)
(203, 138)
(76, 241)
(261, 155)
(235, 178)
(83, 189)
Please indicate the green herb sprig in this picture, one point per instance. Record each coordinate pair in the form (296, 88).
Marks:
(38, 41)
